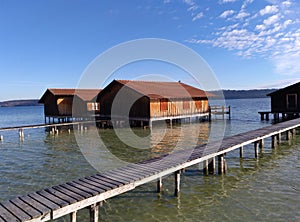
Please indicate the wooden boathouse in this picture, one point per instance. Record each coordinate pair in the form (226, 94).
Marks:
(284, 102)
(143, 102)
(65, 105)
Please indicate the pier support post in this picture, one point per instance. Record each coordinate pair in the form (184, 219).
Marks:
(1, 137)
(241, 151)
(221, 164)
(279, 138)
(274, 141)
(256, 149)
(73, 216)
(94, 213)
(212, 166)
(177, 183)
(205, 167)
(159, 185)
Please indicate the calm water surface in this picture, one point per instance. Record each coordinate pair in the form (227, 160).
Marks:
(266, 189)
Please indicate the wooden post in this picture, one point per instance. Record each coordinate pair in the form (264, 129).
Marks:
(256, 149)
(1, 137)
(159, 185)
(205, 167)
(94, 213)
(274, 141)
(73, 216)
(241, 151)
(212, 166)
(177, 182)
(279, 138)
(221, 164)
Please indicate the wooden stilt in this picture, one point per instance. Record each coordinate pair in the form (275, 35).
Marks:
(221, 166)
(73, 216)
(205, 167)
(279, 138)
(177, 183)
(159, 185)
(94, 213)
(241, 151)
(212, 166)
(274, 142)
(256, 149)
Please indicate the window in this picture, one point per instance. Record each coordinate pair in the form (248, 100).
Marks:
(93, 106)
(163, 104)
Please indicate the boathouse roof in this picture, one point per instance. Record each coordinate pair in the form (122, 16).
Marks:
(157, 90)
(295, 86)
(84, 94)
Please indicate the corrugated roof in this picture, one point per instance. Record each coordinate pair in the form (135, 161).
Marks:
(84, 94)
(155, 90)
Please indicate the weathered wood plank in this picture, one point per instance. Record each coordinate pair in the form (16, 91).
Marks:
(86, 187)
(53, 198)
(20, 214)
(32, 212)
(6, 215)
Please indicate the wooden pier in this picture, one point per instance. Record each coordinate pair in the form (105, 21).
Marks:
(90, 192)
(220, 110)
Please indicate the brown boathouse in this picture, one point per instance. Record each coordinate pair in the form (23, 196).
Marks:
(284, 102)
(142, 102)
(65, 105)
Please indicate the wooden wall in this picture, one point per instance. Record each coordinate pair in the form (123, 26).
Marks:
(178, 107)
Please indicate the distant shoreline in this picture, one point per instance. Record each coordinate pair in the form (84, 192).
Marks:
(22, 102)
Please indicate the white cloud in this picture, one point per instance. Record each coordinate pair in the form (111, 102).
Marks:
(227, 13)
(245, 3)
(271, 20)
(226, 1)
(269, 9)
(286, 3)
(167, 1)
(242, 15)
(198, 16)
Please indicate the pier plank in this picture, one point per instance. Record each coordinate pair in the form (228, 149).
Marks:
(44, 210)
(86, 187)
(31, 211)
(53, 198)
(6, 215)
(16, 211)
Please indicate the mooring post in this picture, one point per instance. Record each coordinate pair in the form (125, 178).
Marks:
(241, 151)
(94, 212)
(73, 216)
(212, 166)
(256, 149)
(159, 185)
(177, 182)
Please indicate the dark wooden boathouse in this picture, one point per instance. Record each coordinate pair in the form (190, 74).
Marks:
(143, 102)
(284, 102)
(64, 105)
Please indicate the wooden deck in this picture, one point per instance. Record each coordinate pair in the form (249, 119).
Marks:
(68, 198)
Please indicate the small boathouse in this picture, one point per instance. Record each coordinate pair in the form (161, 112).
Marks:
(63, 105)
(143, 102)
(284, 102)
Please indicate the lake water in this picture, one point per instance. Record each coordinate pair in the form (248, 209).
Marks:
(266, 189)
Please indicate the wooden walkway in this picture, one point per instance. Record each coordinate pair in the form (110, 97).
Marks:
(68, 198)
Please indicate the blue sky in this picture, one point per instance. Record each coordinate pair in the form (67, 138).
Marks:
(48, 44)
